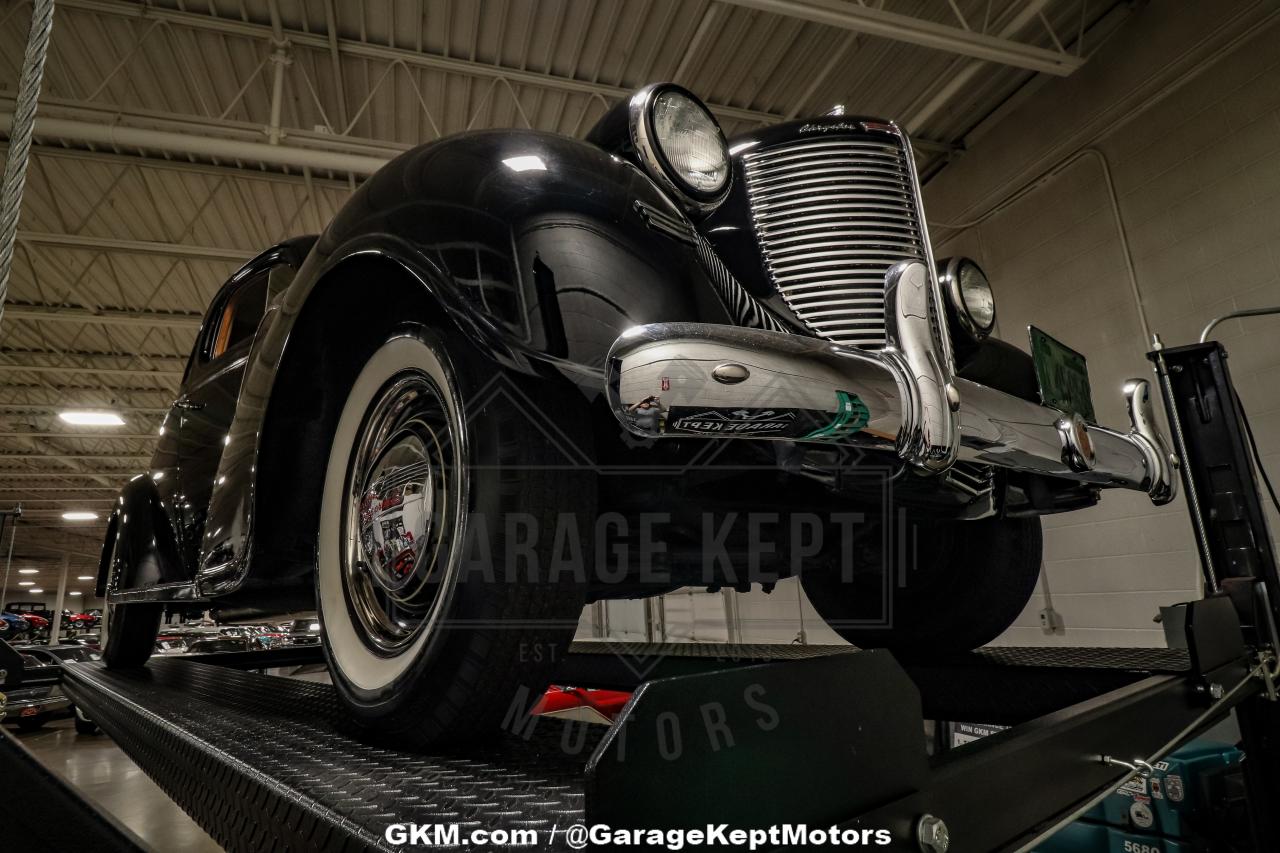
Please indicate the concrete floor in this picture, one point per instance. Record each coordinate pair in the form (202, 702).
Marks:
(100, 770)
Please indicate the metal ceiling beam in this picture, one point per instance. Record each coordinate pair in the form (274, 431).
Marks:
(76, 370)
(26, 489)
(35, 457)
(77, 356)
(956, 82)
(184, 166)
(365, 50)
(78, 436)
(904, 28)
(61, 392)
(62, 473)
(135, 247)
(105, 317)
(76, 500)
(97, 112)
(14, 409)
(119, 136)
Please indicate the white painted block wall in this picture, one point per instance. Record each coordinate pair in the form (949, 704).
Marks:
(1197, 179)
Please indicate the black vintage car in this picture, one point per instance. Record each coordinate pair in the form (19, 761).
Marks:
(519, 372)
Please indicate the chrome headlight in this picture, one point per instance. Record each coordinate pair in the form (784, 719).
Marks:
(680, 144)
(969, 292)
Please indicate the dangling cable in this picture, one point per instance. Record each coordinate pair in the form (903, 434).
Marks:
(20, 131)
(15, 514)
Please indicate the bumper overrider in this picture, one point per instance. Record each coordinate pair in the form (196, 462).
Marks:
(690, 379)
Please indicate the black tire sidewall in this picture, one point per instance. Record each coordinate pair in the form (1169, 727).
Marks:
(131, 634)
(967, 583)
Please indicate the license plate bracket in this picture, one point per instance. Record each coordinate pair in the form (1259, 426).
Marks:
(1062, 375)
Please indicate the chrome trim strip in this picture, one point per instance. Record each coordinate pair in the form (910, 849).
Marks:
(181, 591)
(943, 342)
(658, 371)
(1146, 434)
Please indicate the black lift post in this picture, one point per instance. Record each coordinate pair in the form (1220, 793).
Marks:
(1220, 473)
(754, 736)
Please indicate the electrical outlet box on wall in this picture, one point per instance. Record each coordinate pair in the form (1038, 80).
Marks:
(1051, 622)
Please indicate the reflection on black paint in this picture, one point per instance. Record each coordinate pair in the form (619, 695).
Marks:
(544, 284)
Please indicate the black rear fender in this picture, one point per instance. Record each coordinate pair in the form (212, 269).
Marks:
(148, 553)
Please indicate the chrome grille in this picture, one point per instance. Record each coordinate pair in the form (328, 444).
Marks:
(831, 216)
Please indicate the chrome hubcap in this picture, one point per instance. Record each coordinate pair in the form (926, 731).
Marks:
(402, 504)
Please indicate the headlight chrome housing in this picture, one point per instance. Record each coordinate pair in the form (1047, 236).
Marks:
(968, 290)
(680, 144)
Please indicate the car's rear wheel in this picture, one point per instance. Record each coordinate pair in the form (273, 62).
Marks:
(434, 624)
(958, 586)
(128, 631)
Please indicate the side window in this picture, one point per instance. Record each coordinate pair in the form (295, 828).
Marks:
(238, 313)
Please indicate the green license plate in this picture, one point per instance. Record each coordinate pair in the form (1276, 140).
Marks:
(1062, 374)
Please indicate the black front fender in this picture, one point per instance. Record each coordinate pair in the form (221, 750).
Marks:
(542, 249)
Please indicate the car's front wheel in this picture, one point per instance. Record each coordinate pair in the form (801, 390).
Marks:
(950, 586)
(439, 612)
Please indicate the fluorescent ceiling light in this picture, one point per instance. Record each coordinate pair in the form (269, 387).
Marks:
(26, 583)
(35, 590)
(85, 577)
(527, 163)
(27, 571)
(73, 593)
(80, 515)
(84, 417)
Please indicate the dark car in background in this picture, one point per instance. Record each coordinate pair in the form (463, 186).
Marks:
(57, 656)
(302, 632)
(210, 645)
(40, 697)
(89, 641)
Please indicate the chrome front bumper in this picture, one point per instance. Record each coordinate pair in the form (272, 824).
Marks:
(687, 379)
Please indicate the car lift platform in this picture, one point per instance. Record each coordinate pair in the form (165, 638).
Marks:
(744, 735)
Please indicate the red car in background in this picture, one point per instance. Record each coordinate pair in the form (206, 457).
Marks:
(78, 621)
(39, 624)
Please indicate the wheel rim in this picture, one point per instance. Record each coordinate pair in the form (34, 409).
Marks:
(402, 505)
